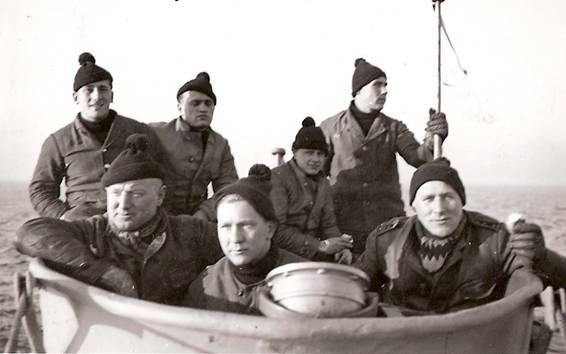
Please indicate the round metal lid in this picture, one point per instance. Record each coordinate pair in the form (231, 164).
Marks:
(319, 267)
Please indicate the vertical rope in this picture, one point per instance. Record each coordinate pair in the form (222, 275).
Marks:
(437, 152)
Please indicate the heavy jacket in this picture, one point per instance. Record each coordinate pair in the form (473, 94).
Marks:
(194, 166)
(84, 250)
(304, 209)
(74, 154)
(218, 289)
(363, 171)
(552, 269)
(474, 273)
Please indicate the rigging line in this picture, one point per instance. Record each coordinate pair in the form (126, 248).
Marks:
(443, 26)
(452, 46)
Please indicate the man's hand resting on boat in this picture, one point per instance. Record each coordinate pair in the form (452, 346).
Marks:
(527, 240)
(119, 281)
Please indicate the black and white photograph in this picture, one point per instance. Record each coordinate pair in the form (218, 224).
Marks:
(300, 176)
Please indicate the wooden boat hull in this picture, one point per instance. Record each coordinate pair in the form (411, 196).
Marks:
(80, 318)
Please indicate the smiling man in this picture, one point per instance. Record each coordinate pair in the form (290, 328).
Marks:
(81, 152)
(246, 225)
(444, 258)
(135, 249)
(198, 154)
(303, 202)
(363, 147)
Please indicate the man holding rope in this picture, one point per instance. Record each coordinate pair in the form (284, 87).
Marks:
(363, 144)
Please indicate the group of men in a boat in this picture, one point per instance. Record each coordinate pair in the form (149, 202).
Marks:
(137, 219)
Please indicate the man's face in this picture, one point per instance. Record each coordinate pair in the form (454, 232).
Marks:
(94, 100)
(132, 204)
(196, 108)
(309, 160)
(438, 208)
(372, 96)
(245, 236)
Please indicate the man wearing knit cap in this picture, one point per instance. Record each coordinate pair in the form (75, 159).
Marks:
(135, 249)
(81, 152)
(303, 202)
(444, 258)
(246, 225)
(198, 154)
(363, 144)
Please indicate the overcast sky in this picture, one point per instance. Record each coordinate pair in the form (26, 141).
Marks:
(274, 62)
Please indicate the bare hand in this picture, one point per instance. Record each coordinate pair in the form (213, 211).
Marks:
(333, 245)
(343, 257)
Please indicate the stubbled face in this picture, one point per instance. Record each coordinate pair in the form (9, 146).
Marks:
(94, 100)
(132, 204)
(372, 97)
(438, 208)
(310, 161)
(196, 108)
(245, 236)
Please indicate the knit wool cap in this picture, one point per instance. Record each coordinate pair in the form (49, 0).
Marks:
(89, 72)
(255, 189)
(437, 170)
(364, 73)
(310, 137)
(133, 163)
(201, 83)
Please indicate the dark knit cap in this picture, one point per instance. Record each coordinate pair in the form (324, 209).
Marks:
(201, 83)
(133, 163)
(89, 72)
(437, 170)
(310, 137)
(255, 189)
(364, 73)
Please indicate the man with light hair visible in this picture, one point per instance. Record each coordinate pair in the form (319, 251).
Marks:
(198, 155)
(135, 249)
(82, 151)
(246, 225)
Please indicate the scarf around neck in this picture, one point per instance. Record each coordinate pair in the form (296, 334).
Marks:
(140, 239)
(434, 251)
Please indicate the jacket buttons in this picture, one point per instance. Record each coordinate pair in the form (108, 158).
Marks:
(106, 165)
(365, 184)
(191, 159)
(104, 150)
(365, 148)
(241, 293)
